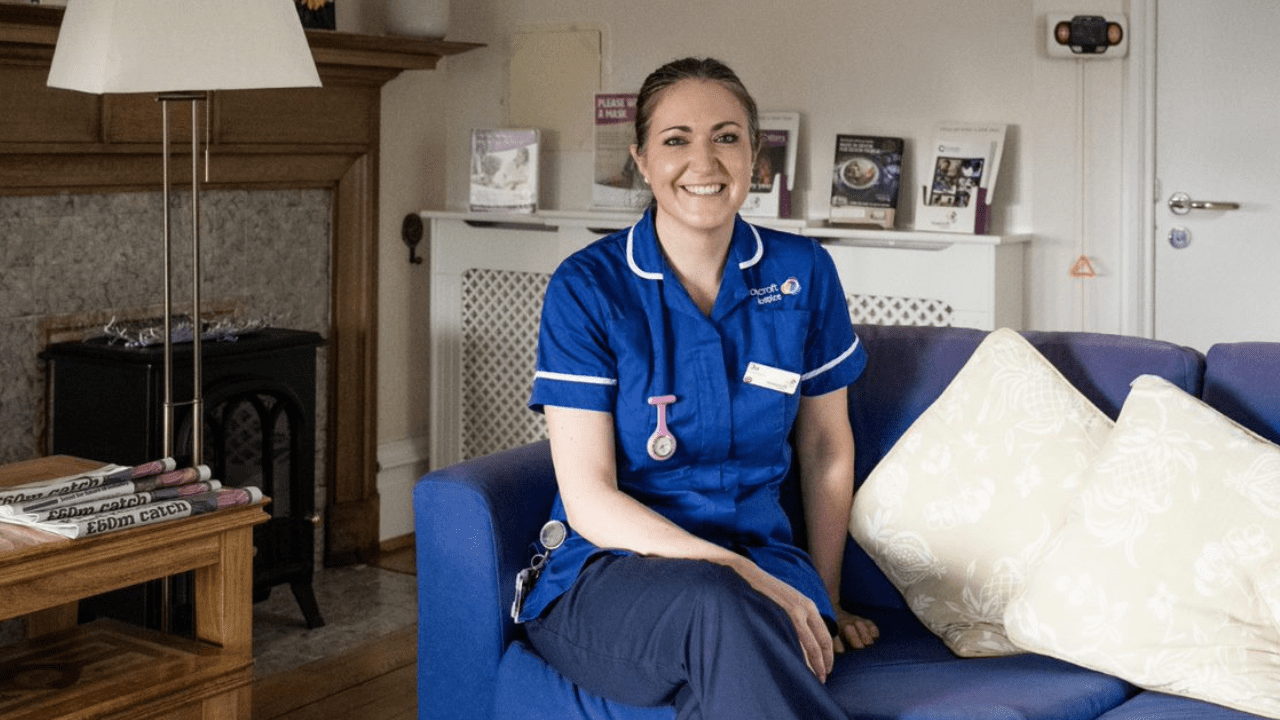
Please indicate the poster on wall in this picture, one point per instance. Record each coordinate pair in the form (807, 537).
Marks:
(616, 183)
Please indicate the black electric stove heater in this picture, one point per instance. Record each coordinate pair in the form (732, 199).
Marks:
(105, 403)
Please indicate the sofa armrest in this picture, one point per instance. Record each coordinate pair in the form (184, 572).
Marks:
(475, 525)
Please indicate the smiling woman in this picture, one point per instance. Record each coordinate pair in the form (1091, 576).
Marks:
(674, 360)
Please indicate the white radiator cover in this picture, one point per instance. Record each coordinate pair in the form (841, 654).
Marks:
(489, 274)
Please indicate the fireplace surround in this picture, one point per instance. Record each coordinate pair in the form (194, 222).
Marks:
(54, 142)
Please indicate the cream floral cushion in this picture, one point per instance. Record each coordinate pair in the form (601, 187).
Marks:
(966, 502)
(1167, 573)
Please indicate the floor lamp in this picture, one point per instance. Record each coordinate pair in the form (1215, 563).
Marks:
(181, 50)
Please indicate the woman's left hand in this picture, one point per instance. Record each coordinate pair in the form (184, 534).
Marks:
(853, 632)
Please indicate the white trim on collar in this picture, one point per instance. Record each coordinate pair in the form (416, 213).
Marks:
(759, 250)
(635, 268)
(631, 258)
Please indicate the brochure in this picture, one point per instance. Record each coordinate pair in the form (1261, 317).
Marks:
(962, 178)
(504, 171)
(865, 178)
(774, 174)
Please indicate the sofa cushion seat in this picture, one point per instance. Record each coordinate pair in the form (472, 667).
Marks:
(1027, 687)
(1154, 705)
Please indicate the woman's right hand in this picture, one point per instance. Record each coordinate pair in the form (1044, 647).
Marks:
(811, 629)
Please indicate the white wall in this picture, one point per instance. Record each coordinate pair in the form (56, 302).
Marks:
(890, 68)
(871, 67)
(412, 177)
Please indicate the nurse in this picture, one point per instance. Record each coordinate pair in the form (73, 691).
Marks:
(675, 359)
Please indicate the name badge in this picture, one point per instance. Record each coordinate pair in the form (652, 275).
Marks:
(783, 381)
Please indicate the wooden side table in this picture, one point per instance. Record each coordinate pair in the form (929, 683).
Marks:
(108, 670)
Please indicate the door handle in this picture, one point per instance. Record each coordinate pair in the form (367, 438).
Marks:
(1181, 204)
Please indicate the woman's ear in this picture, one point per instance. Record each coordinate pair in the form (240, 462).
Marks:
(639, 160)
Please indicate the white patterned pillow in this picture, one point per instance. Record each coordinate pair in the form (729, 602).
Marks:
(967, 500)
(1167, 573)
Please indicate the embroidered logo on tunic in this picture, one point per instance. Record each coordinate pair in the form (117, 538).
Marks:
(767, 294)
(773, 293)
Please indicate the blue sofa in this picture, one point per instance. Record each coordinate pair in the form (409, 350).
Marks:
(476, 523)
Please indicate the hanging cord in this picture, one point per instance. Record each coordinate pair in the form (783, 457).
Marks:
(1082, 229)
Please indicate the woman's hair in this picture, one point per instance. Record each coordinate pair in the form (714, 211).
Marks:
(692, 69)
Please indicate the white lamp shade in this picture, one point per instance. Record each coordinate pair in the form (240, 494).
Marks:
(134, 46)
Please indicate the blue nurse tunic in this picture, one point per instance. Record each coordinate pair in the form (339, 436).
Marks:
(618, 329)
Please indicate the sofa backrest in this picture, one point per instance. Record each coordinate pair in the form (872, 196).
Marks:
(1242, 380)
(909, 367)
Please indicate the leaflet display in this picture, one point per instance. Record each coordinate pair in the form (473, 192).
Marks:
(961, 178)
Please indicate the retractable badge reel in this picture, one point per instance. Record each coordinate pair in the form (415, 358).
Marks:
(551, 537)
(662, 444)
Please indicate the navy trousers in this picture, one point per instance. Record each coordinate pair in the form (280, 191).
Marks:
(693, 634)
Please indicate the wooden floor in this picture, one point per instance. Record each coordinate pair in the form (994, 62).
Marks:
(377, 681)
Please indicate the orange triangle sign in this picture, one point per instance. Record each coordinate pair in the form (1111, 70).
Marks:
(1083, 268)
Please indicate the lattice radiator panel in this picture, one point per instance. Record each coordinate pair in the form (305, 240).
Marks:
(887, 310)
(500, 311)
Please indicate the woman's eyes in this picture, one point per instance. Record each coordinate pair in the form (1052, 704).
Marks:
(723, 139)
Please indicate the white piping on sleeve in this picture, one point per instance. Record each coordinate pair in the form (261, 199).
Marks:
(588, 379)
(843, 356)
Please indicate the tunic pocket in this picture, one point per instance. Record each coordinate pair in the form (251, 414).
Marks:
(763, 416)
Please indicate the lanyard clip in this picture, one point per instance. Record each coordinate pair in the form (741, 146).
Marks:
(551, 536)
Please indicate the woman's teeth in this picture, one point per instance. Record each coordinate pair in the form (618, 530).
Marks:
(704, 189)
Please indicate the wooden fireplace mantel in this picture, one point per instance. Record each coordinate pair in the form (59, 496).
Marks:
(55, 141)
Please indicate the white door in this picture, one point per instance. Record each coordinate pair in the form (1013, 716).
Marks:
(1217, 270)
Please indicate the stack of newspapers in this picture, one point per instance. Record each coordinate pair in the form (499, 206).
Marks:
(115, 497)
